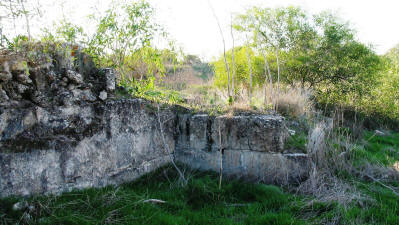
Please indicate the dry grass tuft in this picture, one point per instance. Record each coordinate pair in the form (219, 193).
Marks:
(181, 79)
(328, 188)
(396, 166)
(322, 183)
(378, 172)
(330, 153)
(295, 101)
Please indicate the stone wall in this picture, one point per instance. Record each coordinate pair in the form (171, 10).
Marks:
(61, 128)
(112, 143)
(249, 147)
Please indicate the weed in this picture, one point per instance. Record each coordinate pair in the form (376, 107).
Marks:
(199, 202)
(297, 142)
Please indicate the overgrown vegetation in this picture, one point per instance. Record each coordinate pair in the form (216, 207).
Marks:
(158, 198)
(319, 52)
(293, 63)
(287, 47)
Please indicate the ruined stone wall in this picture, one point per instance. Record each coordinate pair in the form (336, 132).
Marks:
(61, 128)
(79, 147)
(249, 147)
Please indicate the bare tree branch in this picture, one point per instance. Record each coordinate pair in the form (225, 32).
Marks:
(224, 50)
(167, 148)
(232, 57)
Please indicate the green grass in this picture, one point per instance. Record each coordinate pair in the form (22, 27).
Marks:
(382, 150)
(297, 142)
(384, 208)
(202, 202)
(199, 202)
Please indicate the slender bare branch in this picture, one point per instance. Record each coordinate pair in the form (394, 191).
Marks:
(232, 57)
(278, 79)
(221, 159)
(270, 78)
(167, 148)
(224, 49)
(250, 73)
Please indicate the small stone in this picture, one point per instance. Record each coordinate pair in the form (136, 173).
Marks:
(27, 216)
(396, 166)
(103, 95)
(51, 76)
(22, 88)
(19, 206)
(85, 95)
(379, 133)
(5, 76)
(37, 98)
(23, 78)
(63, 83)
(71, 87)
(66, 98)
(74, 77)
(292, 132)
(109, 79)
(5, 67)
(19, 65)
(31, 208)
(3, 96)
(65, 79)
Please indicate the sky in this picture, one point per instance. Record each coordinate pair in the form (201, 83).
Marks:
(192, 25)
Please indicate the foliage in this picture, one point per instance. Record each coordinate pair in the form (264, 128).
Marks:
(146, 89)
(17, 42)
(385, 97)
(380, 104)
(145, 63)
(297, 142)
(315, 50)
(122, 31)
(242, 68)
(68, 32)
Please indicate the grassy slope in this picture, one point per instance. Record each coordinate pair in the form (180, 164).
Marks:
(201, 202)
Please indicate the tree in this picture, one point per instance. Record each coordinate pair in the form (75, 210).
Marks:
(123, 30)
(340, 61)
(16, 9)
(232, 57)
(250, 74)
(241, 54)
(313, 50)
(224, 52)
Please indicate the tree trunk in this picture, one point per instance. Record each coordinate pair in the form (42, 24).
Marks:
(13, 16)
(250, 74)
(26, 18)
(234, 66)
(270, 79)
(278, 80)
(224, 51)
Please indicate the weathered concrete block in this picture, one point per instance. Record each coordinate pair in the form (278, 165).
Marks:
(46, 150)
(263, 133)
(249, 147)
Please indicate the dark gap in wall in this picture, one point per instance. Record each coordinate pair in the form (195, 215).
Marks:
(209, 140)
